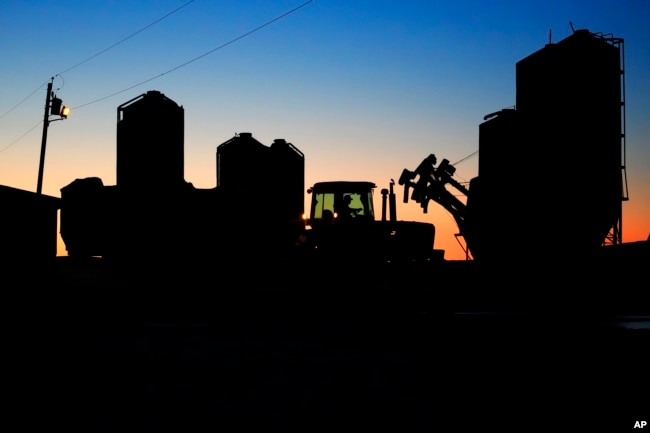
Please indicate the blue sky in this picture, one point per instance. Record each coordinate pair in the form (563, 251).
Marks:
(363, 88)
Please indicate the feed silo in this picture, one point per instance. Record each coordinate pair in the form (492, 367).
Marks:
(570, 99)
(289, 174)
(150, 143)
(266, 186)
(270, 176)
(551, 170)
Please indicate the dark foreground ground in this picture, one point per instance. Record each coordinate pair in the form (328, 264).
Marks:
(82, 355)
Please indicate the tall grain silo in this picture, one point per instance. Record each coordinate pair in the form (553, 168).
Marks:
(570, 107)
(551, 171)
(150, 143)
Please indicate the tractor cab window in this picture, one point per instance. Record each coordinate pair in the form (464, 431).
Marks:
(342, 206)
(323, 206)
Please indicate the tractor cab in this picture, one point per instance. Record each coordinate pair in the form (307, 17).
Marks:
(341, 202)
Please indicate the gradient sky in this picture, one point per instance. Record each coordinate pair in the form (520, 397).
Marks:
(363, 88)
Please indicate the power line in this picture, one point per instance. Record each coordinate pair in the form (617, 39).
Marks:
(199, 57)
(126, 38)
(467, 157)
(24, 99)
(158, 76)
(18, 139)
(97, 54)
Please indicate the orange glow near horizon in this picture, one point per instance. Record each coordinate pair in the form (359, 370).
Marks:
(362, 89)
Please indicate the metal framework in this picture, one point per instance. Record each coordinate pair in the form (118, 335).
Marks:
(615, 235)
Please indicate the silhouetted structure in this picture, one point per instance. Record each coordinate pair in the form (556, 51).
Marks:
(29, 225)
(560, 152)
(277, 172)
(88, 217)
(150, 143)
(263, 192)
(550, 181)
(152, 211)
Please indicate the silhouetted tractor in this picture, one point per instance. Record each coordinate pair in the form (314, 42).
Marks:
(342, 227)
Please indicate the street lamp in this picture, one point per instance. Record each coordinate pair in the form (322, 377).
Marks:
(53, 107)
(57, 109)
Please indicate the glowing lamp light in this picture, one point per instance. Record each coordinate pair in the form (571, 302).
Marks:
(65, 111)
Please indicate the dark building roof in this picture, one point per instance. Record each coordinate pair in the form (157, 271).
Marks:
(14, 196)
(29, 224)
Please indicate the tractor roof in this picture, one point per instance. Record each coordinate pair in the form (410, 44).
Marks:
(343, 186)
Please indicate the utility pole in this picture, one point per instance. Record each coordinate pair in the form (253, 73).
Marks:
(46, 123)
(53, 106)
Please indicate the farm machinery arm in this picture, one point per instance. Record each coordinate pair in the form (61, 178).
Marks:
(428, 182)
